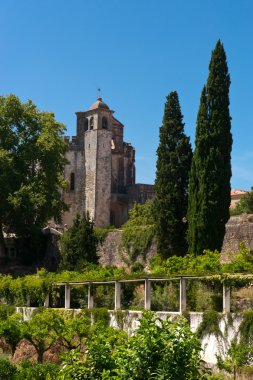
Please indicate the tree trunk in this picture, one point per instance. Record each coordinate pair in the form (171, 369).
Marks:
(40, 357)
(2, 245)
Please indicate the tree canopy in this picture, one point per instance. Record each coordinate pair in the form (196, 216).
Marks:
(32, 161)
(209, 186)
(174, 156)
(245, 204)
(79, 244)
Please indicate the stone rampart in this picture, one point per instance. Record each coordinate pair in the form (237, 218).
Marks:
(239, 229)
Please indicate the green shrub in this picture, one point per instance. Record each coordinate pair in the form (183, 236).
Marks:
(139, 230)
(34, 371)
(210, 324)
(79, 244)
(7, 370)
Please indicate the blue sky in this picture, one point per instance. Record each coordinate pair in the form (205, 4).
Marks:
(58, 52)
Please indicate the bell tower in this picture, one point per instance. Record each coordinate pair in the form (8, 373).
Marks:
(98, 161)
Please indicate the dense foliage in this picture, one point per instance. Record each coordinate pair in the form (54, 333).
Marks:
(245, 204)
(79, 244)
(32, 161)
(174, 156)
(209, 186)
(158, 350)
(15, 291)
(139, 230)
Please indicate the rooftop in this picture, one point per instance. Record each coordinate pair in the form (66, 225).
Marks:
(99, 104)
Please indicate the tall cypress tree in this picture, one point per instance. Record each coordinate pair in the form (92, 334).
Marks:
(209, 188)
(174, 156)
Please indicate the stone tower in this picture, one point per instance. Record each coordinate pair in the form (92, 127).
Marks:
(101, 169)
(97, 153)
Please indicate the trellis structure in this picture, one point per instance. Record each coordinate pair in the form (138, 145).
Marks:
(147, 291)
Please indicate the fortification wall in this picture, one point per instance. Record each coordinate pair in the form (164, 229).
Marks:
(238, 229)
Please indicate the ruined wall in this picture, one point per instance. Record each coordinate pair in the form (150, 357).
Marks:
(140, 193)
(112, 252)
(238, 229)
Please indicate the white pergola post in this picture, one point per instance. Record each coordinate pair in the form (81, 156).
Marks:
(226, 298)
(182, 300)
(90, 297)
(46, 302)
(147, 303)
(67, 296)
(117, 296)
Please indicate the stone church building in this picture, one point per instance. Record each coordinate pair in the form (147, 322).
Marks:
(101, 169)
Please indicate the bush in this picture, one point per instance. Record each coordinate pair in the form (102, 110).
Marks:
(7, 370)
(159, 350)
(79, 244)
(139, 230)
(34, 371)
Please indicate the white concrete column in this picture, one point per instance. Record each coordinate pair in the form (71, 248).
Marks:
(117, 296)
(147, 304)
(90, 297)
(226, 299)
(46, 302)
(182, 300)
(67, 296)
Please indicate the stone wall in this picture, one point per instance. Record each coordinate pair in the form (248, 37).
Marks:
(74, 198)
(238, 229)
(112, 252)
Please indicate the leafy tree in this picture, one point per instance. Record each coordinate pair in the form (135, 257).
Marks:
(238, 356)
(141, 215)
(79, 244)
(75, 331)
(245, 204)
(160, 349)
(32, 161)
(98, 359)
(209, 187)
(12, 330)
(174, 156)
(43, 330)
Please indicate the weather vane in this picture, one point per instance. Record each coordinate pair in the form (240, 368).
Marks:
(99, 92)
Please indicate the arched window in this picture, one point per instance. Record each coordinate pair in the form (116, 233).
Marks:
(72, 181)
(104, 123)
(91, 122)
(112, 144)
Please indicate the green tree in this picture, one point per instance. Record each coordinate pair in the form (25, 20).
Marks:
(32, 161)
(174, 156)
(79, 244)
(160, 349)
(12, 330)
(43, 330)
(209, 186)
(245, 204)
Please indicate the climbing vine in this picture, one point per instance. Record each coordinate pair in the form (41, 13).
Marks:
(210, 324)
(137, 240)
